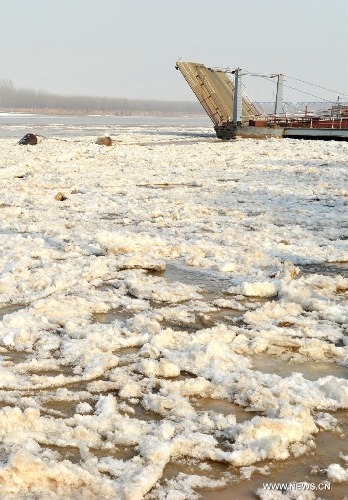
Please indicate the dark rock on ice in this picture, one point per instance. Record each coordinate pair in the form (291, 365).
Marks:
(104, 141)
(30, 139)
(60, 197)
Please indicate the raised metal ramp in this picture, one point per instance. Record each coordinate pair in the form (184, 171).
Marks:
(215, 91)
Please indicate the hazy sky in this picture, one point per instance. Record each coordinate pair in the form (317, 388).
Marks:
(128, 48)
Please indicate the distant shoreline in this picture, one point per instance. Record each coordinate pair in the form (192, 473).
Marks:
(76, 112)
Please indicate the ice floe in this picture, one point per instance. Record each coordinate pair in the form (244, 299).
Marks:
(157, 320)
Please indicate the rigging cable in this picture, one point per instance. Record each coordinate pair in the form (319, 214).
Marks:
(319, 86)
(270, 78)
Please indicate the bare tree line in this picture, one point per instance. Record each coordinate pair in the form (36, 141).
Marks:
(12, 98)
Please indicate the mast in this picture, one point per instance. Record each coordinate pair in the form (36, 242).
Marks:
(279, 97)
(237, 100)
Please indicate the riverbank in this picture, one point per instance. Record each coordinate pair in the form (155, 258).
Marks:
(77, 112)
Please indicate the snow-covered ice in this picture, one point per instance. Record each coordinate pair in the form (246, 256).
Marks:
(175, 262)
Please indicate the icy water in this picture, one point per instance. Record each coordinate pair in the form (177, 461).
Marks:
(327, 269)
(17, 125)
(310, 467)
(177, 325)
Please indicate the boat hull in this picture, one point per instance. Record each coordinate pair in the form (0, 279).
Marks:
(281, 132)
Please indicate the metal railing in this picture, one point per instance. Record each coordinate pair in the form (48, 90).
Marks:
(301, 122)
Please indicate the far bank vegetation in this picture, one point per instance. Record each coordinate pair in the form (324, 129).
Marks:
(40, 101)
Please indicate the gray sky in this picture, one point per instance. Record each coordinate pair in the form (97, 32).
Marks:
(128, 48)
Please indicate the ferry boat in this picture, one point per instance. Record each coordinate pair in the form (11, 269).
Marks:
(235, 115)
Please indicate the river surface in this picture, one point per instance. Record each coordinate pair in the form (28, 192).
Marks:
(13, 124)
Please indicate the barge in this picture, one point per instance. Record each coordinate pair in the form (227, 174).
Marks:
(235, 115)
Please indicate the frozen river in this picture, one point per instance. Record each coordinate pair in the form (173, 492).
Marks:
(174, 324)
(12, 124)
